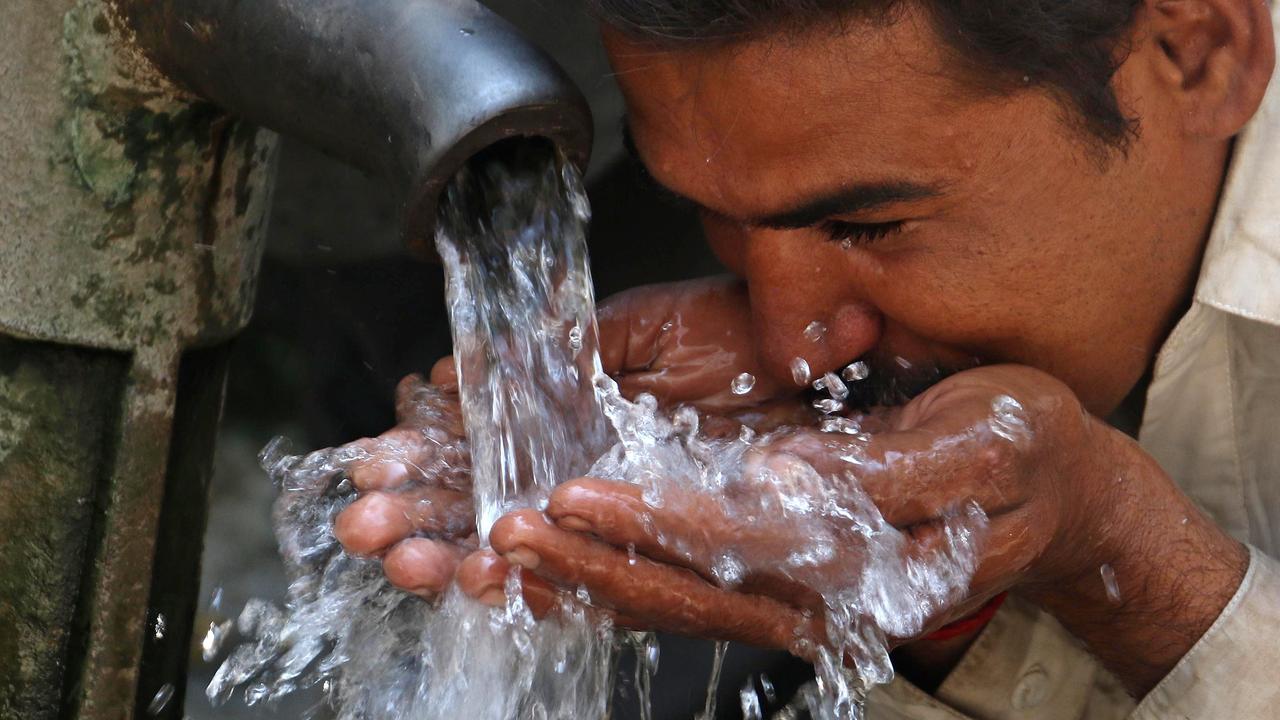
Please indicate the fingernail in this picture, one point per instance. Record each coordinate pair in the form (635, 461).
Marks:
(493, 598)
(524, 557)
(574, 523)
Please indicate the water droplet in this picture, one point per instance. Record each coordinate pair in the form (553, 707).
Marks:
(729, 570)
(255, 694)
(750, 702)
(1185, 520)
(770, 693)
(903, 363)
(1109, 582)
(815, 331)
(212, 642)
(631, 553)
(575, 338)
(215, 602)
(467, 31)
(800, 371)
(827, 406)
(652, 495)
(685, 421)
(666, 326)
(161, 699)
(841, 425)
(856, 371)
(713, 682)
(746, 434)
(835, 386)
(1008, 420)
(743, 384)
(158, 632)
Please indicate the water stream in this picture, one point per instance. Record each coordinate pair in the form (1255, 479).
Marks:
(538, 411)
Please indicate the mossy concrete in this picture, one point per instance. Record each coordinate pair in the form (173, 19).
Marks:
(132, 222)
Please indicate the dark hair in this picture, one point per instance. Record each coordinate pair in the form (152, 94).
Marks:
(1070, 47)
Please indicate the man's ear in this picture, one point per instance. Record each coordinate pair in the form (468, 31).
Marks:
(1217, 56)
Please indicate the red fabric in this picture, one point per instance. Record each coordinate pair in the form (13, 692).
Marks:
(973, 623)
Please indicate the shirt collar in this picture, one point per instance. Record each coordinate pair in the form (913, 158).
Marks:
(1240, 273)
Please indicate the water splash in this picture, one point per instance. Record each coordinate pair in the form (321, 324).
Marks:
(713, 681)
(513, 240)
(538, 411)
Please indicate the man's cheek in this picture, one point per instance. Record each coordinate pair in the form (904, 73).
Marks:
(726, 241)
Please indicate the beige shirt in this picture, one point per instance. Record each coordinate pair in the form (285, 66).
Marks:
(1212, 420)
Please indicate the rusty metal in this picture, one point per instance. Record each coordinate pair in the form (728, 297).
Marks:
(407, 89)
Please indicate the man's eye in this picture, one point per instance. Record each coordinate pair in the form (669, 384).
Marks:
(850, 234)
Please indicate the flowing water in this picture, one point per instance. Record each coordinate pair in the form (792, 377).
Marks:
(538, 410)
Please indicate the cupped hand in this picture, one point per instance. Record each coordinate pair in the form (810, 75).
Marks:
(683, 342)
(1011, 440)
(414, 507)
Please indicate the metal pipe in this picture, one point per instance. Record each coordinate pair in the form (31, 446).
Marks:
(408, 89)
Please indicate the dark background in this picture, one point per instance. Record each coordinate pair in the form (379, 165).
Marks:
(343, 313)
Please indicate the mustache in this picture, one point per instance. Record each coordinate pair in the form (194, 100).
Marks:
(892, 382)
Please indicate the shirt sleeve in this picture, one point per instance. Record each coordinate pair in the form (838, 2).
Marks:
(1231, 672)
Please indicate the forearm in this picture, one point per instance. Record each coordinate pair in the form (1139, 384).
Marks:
(1175, 571)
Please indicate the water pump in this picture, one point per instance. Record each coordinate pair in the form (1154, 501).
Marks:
(136, 162)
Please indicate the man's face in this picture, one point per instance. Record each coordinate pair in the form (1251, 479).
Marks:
(856, 181)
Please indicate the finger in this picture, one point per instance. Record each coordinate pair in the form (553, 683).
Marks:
(1006, 556)
(386, 465)
(421, 566)
(691, 531)
(378, 520)
(912, 476)
(630, 325)
(445, 372)
(428, 406)
(663, 597)
(683, 342)
(912, 485)
(618, 514)
(408, 454)
(483, 575)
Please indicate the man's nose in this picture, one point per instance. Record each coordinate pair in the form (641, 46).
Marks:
(811, 314)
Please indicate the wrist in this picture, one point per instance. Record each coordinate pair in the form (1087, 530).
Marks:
(1174, 569)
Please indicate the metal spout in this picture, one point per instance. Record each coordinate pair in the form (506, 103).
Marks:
(407, 89)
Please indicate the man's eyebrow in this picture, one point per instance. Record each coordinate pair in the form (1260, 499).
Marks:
(850, 199)
(857, 197)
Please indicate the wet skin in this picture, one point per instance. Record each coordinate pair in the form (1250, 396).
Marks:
(980, 228)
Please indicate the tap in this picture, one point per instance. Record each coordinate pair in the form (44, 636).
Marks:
(407, 89)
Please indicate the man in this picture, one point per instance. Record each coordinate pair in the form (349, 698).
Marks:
(1080, 198)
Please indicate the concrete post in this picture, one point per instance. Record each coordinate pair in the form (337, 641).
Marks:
(132, 222)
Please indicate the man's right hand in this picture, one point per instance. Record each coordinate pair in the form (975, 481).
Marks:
(682, 342)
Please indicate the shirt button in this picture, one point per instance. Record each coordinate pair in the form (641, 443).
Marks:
(1032, 689)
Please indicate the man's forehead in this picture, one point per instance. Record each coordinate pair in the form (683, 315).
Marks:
(855, 69)
(768, 119)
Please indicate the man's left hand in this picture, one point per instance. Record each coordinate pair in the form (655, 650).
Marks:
(1064, 494)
